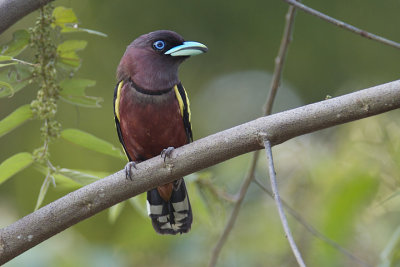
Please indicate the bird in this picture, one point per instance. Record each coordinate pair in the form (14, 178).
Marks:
(152, 117)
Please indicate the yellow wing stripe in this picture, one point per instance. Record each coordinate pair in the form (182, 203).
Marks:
(180, 101)
(188, 105)
(118, 99)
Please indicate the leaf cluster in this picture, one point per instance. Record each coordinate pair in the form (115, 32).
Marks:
(51, 71)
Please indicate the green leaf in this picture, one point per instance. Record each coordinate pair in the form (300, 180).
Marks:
(6, 89)
(70, 61)
(14, 164)
(73, 91)
(15, 119)
(70, 86)
(67, 52)
(66, 19)
(8, 64)
(17, 78)
(19, 42)
(5, 58)
(78, 176)
(62, 16)
(43, 191)
(71, 45)
(115, 211)
(91, 142)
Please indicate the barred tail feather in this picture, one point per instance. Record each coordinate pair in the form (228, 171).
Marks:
(174, 216)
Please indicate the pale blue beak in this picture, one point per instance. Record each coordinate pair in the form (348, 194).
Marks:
(187, 49)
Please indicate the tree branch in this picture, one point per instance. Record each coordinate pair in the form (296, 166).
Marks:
(13, 10)
(343, 25)
(278, 128)
(275, 193)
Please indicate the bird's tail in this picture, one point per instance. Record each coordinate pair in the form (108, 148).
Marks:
(173, 216)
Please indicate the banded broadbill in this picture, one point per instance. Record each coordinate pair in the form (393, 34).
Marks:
(152, 113)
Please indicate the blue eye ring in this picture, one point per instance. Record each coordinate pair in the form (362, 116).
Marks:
(159, 45)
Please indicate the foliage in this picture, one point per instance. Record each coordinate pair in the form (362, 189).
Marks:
(91, 142)
(14, 164)
(54, 64)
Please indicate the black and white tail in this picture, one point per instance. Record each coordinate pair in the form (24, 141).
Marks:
(173, 216)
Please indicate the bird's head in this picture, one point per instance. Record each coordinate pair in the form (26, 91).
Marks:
(152, 60)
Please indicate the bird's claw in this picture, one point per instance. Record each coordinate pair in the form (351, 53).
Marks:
(128, 169)
(167, 152)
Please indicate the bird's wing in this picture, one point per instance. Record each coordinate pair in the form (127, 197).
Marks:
(117, 95)
(184, 106)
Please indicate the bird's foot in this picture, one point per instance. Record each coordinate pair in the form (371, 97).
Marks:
(128, 169)
(167, 152)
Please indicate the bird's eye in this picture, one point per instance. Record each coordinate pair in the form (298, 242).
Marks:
(159, 45)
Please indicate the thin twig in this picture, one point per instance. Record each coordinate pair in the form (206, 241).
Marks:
(232, 219)
(275, 192)
(279, 62)
(343, 25)
(312, 230)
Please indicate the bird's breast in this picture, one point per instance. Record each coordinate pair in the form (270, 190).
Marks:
(150, 123)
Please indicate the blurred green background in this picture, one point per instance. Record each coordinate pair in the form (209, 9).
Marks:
(343, 181)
